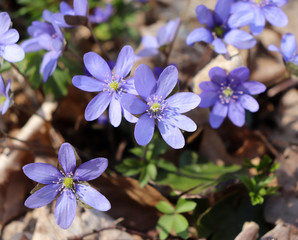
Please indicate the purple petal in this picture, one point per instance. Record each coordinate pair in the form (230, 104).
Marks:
(273, 48)
(241, 18)
(67, 158)
(240, 39)
(218, 75)
(43, 196)
(13, 53)
(254, 87)
(288, 46)
(205, 16)
(48, 64)
(275, 16)
(222, 11)
(128, 116)
(5, 105)
(124, 62)
(91, 169)
(208, 99)
(147, 52)
(31, 45)
(115, 112)
(171, 134)
(93, 198)
(145, 81)
(80, 7)
(66, 9)
(97, 66)
(240, 6)
(238, 75)
(182, 122)
(97, 106)
(199, 35)
(209, 86)
(9, 37)
(87, 84)
(149, 42)
(280, 3)
(218, 114)
(144, 129)
(133, 104)
(236, 114)
(4, 22)
(183, 102)
(219, 46)
(42, 173)
(65, 210)
(249, 103)
(167, 33)
(2, 85)
(257, 26)
(167, 81)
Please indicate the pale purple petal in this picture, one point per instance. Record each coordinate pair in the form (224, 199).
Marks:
(80, 7)
(166, 33)
(43, 196)
(183, 102)
(240, 6)
(205, 16)
(42, 173)
(115, 112)
(67, 158)
(257, 26)
(93, 198)
(9, 37)
(181, 121)
(66, 9)
(97, 66)
(218, 114)
(4, 22)
(48, 64)
(288, 46)
(133, 104)
(219, 46)
(65, 209)
(236, 114)
(145, 81)
(249, 103)
(208, 99)
(273, 48)
(240, 39)
(222, 11)
(87, 84)
(167, 81)
(198, 35)
(124, 62)
(147, 52)
(91, 169)
(2, 85)
(241, 18)
(238, 75)
(31, 45)
(275, 16)
(149, 42)
(13, 53)
(128, 116)
(254, 87)
(218, 75)
(5, 105)
(144, 129)
(97, 106)
(209, 86)
(171, 134)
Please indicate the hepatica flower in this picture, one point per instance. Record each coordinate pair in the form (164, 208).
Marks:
(165, 35)
(111, 85)
(9, 50)
(101, 14)
(255, 12)
(230, 95)
(217, 32)
(4, 96)
(155, 107)
(48, 37)
(69, 185)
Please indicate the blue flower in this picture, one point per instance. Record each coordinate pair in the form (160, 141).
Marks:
(217, 30)
(230, 95)
(255, 12)
(4, 96)
(155, 107)
(288, 48)
(48, 37)
(101, 14)
(110, 85)
(10, 51)
(69, 184)
(165, 36)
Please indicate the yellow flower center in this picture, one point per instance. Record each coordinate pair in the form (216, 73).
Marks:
(155, 107)
(114, 85)
(219, 31)
(258, 1)
(2, 99)
(228, 92)
(68, 182)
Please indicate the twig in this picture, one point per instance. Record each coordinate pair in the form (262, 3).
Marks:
(267, 143)
(286, 84)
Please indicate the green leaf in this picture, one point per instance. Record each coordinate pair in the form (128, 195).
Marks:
(165, 207)
(185, 206)
(165, 224)
(130, 167)
(144, 177)
(180, 225)
(137, 151)
(152, 171)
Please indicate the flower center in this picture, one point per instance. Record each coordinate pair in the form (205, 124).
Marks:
(2, 99)
(68, 182)
(219, 31)
(228, 92)
(114, 85)
(261, 3)
(157, 107)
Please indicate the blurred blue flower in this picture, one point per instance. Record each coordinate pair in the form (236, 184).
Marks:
(48, 37)
(4, 96)
(217, 32)
(101, 14)
(10, 51)
(288, 47)
(110, 85)
(165, 36)
(255, 12)
(69, 184)
(153, 105)
(230, 95)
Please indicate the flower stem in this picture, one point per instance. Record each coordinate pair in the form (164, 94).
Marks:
(143, 159)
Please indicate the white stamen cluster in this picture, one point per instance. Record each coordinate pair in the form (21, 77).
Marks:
(114, 84)
(157, 107)
(228, 94)
(67, 182)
